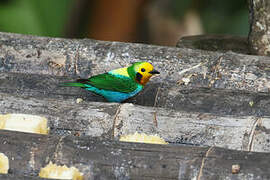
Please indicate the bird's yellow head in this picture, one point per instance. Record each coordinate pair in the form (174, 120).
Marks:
(142, 72)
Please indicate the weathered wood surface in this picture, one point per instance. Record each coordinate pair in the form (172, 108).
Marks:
(33, 66)
(201, 98)
(67, 57)
(66, 116)
(220, 43)
(18, 177)
(219, 101)
(110, 120)
(99, 159)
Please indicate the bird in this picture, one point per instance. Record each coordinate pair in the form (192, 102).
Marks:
(120, 84)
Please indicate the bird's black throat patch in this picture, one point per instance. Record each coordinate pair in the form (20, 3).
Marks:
(138, 77)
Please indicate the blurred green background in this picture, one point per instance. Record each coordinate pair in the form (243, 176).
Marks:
(39, 17)
(156, 21)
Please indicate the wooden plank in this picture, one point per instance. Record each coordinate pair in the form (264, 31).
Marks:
(69, 57)
(234, 132)
(216, 42)
(219, 101)
(65, 116)
(110, 120)
(16, 177)
(223, 83)
(26, 152)
(117, 160)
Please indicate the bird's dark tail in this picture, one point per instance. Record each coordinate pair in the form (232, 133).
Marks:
(78, 83)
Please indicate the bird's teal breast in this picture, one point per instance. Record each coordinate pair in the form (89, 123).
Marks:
(113, 96)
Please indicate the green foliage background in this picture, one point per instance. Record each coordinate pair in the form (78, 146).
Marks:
(39, 17)
(49, 17)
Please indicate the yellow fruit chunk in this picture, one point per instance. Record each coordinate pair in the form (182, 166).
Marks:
(4, 164)
(52, 171)
(143, 138)
(24, 123)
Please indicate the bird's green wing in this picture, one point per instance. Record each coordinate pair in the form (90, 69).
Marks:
(111, 82)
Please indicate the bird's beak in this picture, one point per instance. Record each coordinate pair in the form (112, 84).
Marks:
(154, 72)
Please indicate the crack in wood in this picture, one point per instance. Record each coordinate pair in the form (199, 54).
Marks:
(216, 75)
(156, 97)
(58, 147)
(32, 157)
(76, 61)
(203, 162)
(252, 134)
(155, 119)
(192, 67)
(155, 103)
(115, 119)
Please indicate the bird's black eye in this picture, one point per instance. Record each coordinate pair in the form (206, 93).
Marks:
(143, 70)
